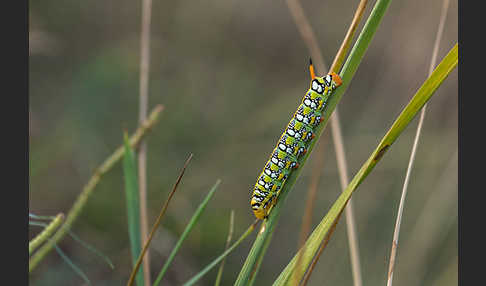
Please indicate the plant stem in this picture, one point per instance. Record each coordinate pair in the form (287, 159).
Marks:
(46, 233)
(143, 106)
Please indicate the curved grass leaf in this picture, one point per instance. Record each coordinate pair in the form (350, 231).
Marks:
(72, 265)
(409, 112)
(190, 225)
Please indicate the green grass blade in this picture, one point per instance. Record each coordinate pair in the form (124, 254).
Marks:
(190, 225)
(39, 217)
(347, 73)
(409, 112)
(133, 206)
(92, 249)
(72, 265)
(221, 257)
(228, 240)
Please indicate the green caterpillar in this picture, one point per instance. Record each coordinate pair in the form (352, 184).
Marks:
(293, 143)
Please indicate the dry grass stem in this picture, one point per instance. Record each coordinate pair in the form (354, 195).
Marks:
(142, 155)
(157, 223)
(396, 232)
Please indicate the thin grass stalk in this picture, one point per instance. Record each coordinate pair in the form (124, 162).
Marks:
(46, 233)
(423, 94)
(309, 38)
(228, 240)
(349, 210)
(222, 256)
(143, 107)
(71, 264)
(259, 262)
(347, 73)
(194, 219)
(81, 200)
(396, 233)
(157, 223)
(432, 221)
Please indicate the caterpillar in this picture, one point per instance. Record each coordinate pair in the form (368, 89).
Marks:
(293, 143)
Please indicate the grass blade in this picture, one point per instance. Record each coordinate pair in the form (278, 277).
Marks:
(349, 69)
(222, 256)
(409, 112)
(157, 222)
(72, 265)
(133, 206)
(188, 229)
(228, 240)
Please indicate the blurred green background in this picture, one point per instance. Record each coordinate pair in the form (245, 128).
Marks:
(230, 75)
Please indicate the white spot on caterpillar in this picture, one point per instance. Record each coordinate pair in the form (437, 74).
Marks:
(307, 102)
(328, 79)
(291, 132)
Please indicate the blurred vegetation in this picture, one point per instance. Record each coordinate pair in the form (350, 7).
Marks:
(230, 75)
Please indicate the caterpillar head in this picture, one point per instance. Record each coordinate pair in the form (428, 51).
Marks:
(258, 209)
(322, 84)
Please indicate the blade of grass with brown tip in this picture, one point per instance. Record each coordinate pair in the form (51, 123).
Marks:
(157, 222)
(423, 94)
(189, 227)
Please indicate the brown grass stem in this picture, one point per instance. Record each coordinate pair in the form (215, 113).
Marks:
(143, 107)
(396, 232)
(81, 200)
(157, 223)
